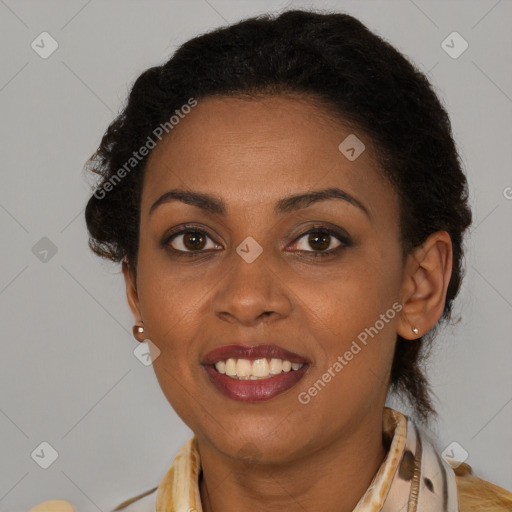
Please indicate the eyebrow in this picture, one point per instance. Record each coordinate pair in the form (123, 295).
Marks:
(215, 205)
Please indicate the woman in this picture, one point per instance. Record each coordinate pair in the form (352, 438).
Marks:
(289, 208)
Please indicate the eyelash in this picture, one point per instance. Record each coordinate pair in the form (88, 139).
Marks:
(343, 239)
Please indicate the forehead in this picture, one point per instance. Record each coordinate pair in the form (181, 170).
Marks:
(262, 149)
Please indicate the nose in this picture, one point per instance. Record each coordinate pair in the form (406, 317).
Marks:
(251, 292)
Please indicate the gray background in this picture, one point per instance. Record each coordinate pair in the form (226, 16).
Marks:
(68, 375)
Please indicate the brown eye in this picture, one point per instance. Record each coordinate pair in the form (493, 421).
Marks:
(191, 240)
(320, 241)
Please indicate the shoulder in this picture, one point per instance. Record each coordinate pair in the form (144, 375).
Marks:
(478, 495)
(144, 502)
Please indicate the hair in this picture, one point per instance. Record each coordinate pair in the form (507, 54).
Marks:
(331, 59)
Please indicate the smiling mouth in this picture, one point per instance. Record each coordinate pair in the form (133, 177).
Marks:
(257, 369)
(254, 373)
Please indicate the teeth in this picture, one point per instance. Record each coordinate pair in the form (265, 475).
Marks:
(246, 369)
(243, 368)
(276, 366)
(260, 368)
(230, 367)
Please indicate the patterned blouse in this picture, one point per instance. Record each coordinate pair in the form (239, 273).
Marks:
(412, 478)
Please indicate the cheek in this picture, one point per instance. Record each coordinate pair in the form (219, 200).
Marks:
(170, 292)
(176, 312)
(349, 297)
(351, 317)
(354, 348)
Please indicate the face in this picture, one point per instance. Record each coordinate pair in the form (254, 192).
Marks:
(329, 271)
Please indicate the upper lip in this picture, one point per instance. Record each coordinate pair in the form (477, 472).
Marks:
(252, 352)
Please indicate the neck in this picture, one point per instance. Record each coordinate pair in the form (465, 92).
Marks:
(333, 477)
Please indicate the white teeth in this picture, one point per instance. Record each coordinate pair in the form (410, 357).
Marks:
(276, 366)
(246, 369)
(260, 368)
(243, 368)
(230, 367)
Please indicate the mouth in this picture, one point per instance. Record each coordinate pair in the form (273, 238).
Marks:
(254, 373)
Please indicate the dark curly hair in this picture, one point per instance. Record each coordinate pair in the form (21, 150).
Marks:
(334, 60)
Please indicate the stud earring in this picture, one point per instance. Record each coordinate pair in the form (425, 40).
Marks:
(137, 329)
(415, 330)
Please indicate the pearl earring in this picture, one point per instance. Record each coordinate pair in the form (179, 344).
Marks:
(415, 330)
(137, 329)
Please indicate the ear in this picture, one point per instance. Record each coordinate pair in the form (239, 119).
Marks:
(426, 277)
(131, 291)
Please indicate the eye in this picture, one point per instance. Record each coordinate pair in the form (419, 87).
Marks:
(322, 240)
(189, 240)
(318, 241)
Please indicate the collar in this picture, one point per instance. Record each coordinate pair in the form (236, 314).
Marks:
(412, 476)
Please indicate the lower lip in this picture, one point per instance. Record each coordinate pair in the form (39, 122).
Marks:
(255, 390)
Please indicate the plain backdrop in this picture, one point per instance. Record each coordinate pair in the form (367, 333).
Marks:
(68, 374)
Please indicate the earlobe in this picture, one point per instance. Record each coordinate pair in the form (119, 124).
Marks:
(427, 274)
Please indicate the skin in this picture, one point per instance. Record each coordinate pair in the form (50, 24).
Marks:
(279, 453)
